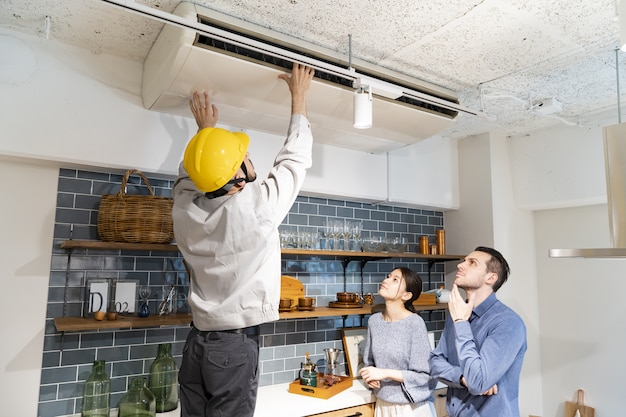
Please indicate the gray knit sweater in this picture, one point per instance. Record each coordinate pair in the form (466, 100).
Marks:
(401, 345)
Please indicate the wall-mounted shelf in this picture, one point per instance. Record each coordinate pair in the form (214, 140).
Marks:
(64, 324)
(96, 244)
(75, 324)
(371, 255)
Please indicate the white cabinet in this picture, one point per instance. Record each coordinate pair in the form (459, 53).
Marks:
(425, 175)
(346, 174)
(422, 175)
(336, 172)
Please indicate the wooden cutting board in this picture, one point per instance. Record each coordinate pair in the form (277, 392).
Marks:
(426, 299)
(291, 287)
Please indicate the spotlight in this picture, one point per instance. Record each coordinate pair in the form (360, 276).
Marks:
(362, 118)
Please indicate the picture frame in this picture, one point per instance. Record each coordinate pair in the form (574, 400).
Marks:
(97, 294)
(354, 339)
(125, 296)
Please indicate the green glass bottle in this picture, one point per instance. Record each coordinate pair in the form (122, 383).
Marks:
(163, 380)
(138, 401)
(97, 394)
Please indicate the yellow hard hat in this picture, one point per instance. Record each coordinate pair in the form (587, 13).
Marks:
(213, 157)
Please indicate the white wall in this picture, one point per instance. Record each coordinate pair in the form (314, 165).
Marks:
(582, 310)
(488, 217)
(29, 193)
(558, 167)
(514, 235)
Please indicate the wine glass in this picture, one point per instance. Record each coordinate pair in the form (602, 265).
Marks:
(335, 232)
(344, 234)
(355, 235)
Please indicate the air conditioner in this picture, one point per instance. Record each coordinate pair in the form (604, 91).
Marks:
(237, 63)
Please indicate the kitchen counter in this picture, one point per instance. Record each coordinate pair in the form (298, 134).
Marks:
(296, 405)
(277, 401)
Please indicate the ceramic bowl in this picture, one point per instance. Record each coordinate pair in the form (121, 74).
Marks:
(346, 297)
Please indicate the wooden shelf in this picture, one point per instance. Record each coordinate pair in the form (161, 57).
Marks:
(75, 324)
(64, 324)
(372, 255)
(96, 244)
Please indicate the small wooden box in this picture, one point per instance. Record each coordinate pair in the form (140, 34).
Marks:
(324, 391)
(425, 299)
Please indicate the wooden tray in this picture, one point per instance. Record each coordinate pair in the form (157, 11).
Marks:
(324, 392)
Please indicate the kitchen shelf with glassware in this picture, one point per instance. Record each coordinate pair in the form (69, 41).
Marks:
(64, 324)
(75, 324)
(96, 244)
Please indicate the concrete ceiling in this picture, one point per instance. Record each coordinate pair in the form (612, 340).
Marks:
(500, 56)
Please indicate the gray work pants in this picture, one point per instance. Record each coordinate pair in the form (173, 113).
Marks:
(219, 374)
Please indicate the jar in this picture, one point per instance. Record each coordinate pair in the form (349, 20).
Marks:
(97, 393)
(163, 381)
(424, 245)
(138, 401)
(440, 239)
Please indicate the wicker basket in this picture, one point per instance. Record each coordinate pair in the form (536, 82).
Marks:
(135, 218)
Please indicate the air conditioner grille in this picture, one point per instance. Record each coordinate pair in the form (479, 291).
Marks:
(258, 56)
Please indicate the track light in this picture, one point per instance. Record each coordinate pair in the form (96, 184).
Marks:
(362, 117)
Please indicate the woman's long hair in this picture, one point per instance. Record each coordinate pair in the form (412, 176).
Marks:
(413, 284)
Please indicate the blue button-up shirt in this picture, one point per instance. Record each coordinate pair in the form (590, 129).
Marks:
(487, 350)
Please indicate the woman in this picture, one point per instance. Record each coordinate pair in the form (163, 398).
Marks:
(397, 350)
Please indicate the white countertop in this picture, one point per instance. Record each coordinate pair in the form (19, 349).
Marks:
(277, 401)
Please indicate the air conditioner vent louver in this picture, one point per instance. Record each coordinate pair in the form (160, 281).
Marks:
(238, 62)
(259, 56)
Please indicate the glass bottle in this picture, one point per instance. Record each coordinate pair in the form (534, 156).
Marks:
(138, 401)
(97, 394)
(144, 294)
(163, 380)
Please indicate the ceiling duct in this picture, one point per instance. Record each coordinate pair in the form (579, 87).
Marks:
(237, 63)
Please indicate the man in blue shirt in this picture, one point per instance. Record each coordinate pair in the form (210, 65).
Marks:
(481, 350)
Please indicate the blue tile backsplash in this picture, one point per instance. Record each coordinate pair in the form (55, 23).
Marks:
(68, 356)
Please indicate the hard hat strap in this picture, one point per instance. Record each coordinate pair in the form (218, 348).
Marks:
(226, 188)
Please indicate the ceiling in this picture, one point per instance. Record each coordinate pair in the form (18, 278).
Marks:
(500, 56)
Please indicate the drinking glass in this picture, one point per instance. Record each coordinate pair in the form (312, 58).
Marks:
(355, 235)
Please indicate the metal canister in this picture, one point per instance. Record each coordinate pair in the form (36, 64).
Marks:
(308, 378)
(424, 245)
(440, 240)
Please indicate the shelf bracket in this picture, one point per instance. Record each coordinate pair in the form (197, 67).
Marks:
(346, 260)
(431, 263)
(345, 263)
